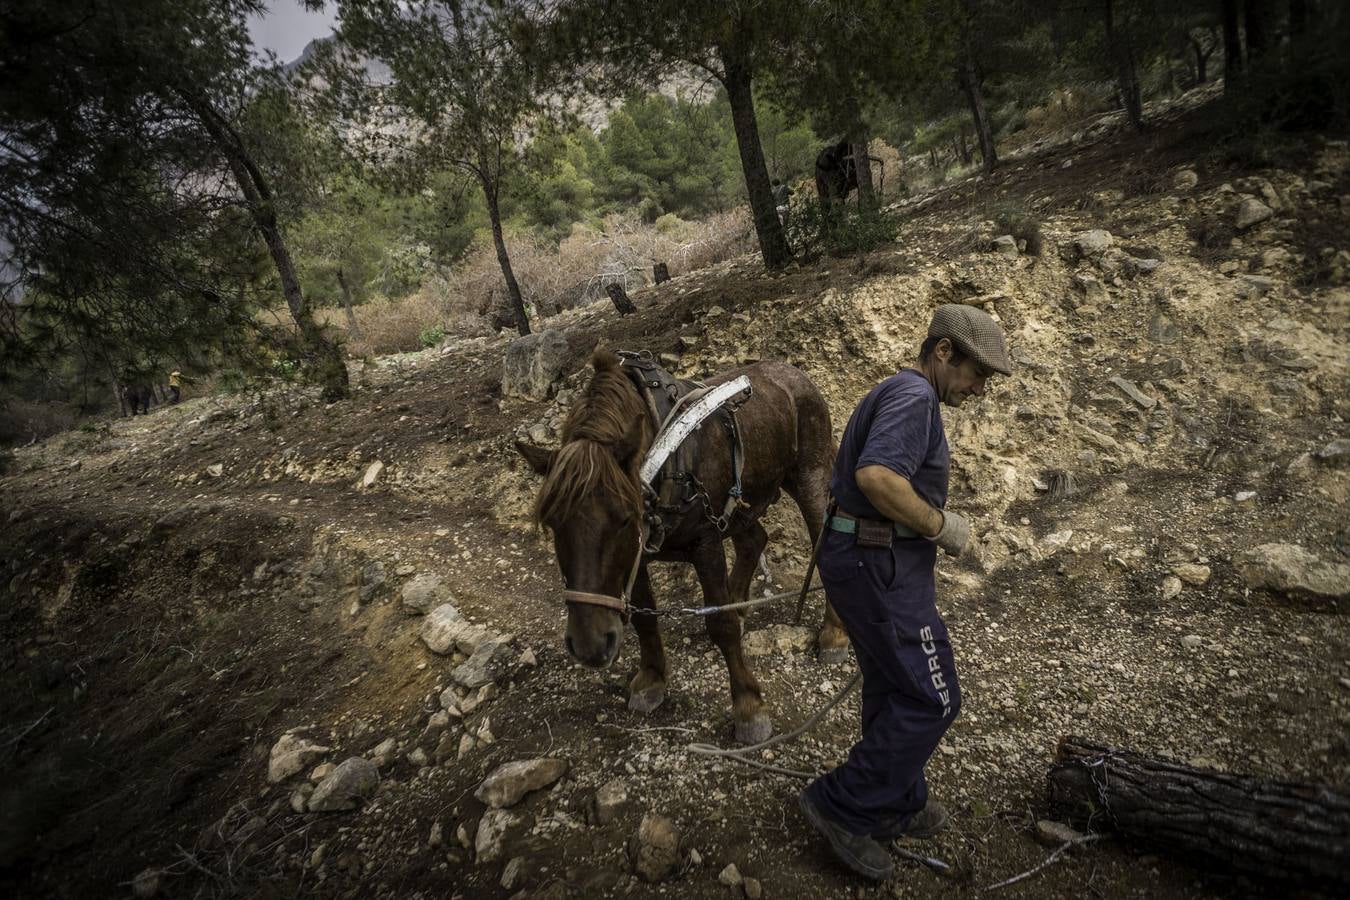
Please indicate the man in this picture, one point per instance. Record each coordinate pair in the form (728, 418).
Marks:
(175, 386)
(890, 484)
(782, 195)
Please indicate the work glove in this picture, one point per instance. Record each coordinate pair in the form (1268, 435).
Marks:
(955, 533)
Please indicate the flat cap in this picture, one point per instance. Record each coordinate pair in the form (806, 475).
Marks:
(974, 332)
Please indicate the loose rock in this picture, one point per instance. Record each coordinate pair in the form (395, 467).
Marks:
(511, 781)
(1251, 212)
(658, 847)
(496, 826)
(424, 593)
(290, 754)
(1290, 568)
(350, 783)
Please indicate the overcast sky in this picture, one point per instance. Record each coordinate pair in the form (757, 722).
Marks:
(288, 27)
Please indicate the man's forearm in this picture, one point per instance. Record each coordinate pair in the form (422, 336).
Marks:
(895, 498)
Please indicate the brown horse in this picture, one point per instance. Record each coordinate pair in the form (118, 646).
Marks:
(591, 500)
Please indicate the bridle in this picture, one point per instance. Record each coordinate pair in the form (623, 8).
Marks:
(621, 604)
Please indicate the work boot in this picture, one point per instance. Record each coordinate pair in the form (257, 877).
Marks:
(926, 823)
(857, 851)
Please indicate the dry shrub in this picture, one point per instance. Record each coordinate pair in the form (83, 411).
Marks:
(465, 301)
(395, 326)
(22, 421)
(621, 249)
(1065, 107)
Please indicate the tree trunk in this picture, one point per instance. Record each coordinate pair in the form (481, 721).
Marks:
(352, 327)
(1127, 79)
(736, 71)
(1295, 833)
(970, 85)
(1201, 61)
(1232, 45)
(503, 260)
(622, 302)
(1298, 18)
(963, 146)
(1256, 17)
(660, 273)
(862, 165)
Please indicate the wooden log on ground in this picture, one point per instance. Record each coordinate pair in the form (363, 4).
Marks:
(1295, 833)
(621, 301)
(660, 273)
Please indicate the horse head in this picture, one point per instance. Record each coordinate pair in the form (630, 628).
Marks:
(591, 501)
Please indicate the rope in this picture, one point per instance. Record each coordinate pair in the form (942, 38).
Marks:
(736, 754)
(730, 607)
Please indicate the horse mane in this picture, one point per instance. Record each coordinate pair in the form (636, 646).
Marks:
(598, 430)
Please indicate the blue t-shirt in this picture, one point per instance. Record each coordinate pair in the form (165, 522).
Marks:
(897, 425)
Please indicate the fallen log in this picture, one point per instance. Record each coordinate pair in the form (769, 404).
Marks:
(621, 300)
(1296, 833)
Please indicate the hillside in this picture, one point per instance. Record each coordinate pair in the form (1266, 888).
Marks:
(182, 589)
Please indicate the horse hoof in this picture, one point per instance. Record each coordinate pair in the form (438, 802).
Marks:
(755, 731)
(646, 701)
(831, 655)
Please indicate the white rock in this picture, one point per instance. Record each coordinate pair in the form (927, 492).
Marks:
(730, 876)
(511, 781)
(609, 800)
(493, 829)
(1291, 568)
(373, 473)
(424, 593)
(1171, 587)
(290, 754)
(1251, 212)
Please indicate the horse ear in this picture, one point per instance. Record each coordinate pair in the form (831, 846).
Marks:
(539, 458)
(603, 358)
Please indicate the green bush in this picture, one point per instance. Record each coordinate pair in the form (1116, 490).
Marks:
(842, 230)
(430, 337)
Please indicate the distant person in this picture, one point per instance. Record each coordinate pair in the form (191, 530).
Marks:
(175, 386)
(781, 195)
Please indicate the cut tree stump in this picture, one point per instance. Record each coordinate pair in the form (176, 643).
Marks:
(620, 298)
(660, 273)
(1298, 833)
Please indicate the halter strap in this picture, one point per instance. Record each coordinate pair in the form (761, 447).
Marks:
(589, 599)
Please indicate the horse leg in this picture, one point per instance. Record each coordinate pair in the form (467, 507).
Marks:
(647, 690)
(747, 701)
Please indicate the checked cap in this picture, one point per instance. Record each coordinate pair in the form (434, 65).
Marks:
(975, 334)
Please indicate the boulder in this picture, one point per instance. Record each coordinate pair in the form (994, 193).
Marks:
(1091, 244)
(1251, 212)
(658, 847)
(1289, 568)
(1193, 574)
(533, 363)
(489, 660)
(509, 782)
(1335, 454)
(494, 830)
(444, 631)
(353, 781)
(291, 753)
(424, 593)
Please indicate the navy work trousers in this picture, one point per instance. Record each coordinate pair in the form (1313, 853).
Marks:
(910, 694)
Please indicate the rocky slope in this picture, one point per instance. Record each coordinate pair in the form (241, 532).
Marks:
(261, 645)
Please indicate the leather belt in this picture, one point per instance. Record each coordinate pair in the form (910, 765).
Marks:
(848, 524)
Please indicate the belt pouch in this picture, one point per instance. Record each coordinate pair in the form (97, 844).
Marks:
(876, 533)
